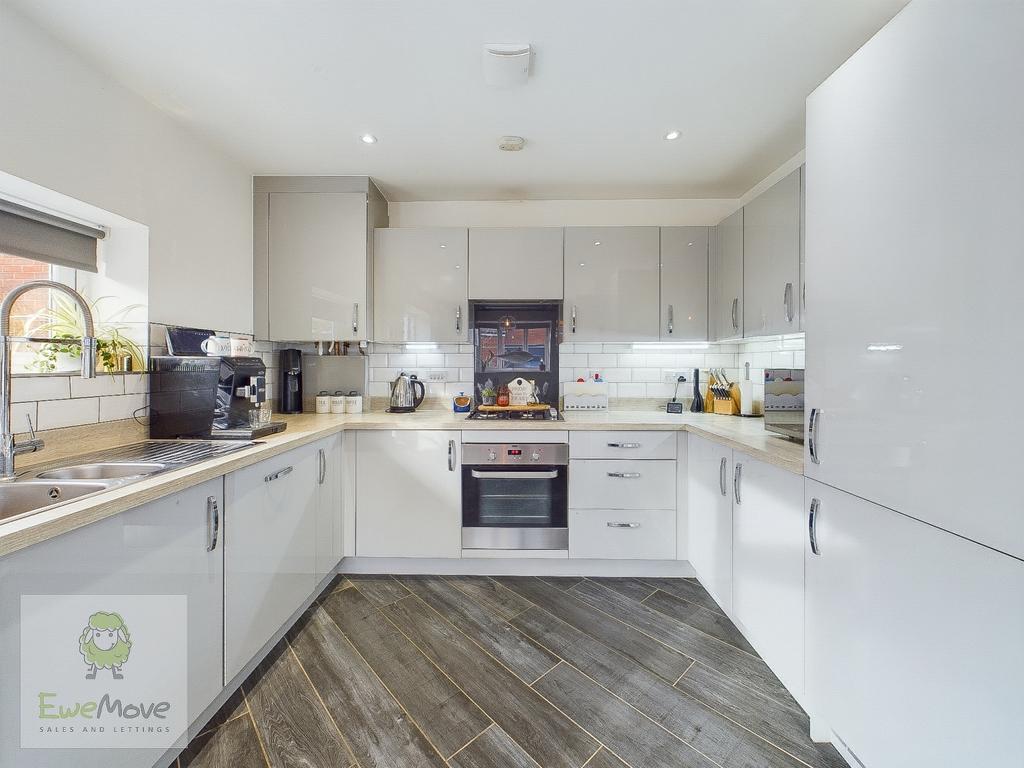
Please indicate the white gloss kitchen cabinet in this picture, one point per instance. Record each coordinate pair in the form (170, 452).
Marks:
(726, 279)
(172, 546)
(912, 254)
(611, 284)
(709, 512)
(622, 495)
(330, 543)
(270, 541)
(914, 638)
(408, 493)
(771, 259)
(768, 526)
(520, 263)
(684, 283)
(421, 284)
(312, 256)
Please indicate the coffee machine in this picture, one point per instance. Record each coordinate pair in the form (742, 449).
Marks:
(241, 390)
(291, 381)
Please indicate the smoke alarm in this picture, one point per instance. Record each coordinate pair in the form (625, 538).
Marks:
(511, 143)
(506, 64)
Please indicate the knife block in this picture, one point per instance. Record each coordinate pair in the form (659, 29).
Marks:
(728, 406)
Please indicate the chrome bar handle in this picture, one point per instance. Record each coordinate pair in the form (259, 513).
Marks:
(812, 526)
(736, 314)
(458, 318)
(574, 318)
(322, 458)
(737, 479)
(355, 318)
(721, 476)
(812, 435)
(623, 445)
(614, 524)
(625, 475)
(212, 523)
(787, 302)
(483, 474)
(671, 323)
(451, 455)
(275, 475)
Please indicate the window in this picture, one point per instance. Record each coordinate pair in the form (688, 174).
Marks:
(15, 270)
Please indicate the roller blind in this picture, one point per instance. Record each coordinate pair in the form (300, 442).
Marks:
(34, 234)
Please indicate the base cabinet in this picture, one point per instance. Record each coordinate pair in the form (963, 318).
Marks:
(161, 548)
(330, 534)
(408, 494)
(709, 471)
(914, 638)
(270, 542)
(768, 528)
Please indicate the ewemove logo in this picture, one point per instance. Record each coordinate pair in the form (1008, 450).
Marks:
(132, 689)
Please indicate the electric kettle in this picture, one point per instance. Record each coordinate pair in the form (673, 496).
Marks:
(403, 394)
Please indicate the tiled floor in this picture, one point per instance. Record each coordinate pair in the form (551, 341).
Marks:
(511, 672)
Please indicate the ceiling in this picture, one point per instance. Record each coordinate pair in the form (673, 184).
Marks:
(289, 87)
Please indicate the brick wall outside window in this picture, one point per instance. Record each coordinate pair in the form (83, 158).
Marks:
(14, 270)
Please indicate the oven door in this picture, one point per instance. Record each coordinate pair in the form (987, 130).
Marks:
(514, 507)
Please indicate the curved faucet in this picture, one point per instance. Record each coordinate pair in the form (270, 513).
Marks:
(8, 448)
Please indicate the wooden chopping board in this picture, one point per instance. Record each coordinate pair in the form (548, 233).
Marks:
(530, 407)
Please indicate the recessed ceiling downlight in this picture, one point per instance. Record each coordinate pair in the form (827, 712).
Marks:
(672, 135)
(368, 138)
(511, 143)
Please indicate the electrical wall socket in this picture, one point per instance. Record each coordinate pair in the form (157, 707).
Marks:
(437, 377)
(672, 376)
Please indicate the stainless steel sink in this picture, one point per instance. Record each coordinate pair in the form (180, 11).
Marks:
(104, 470)
(25, 496)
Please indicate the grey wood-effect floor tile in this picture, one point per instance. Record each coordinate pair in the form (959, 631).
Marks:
(663, 661)
(713, 653)
(292, 724)
(491, 595)
(605, 759)
(562, 582)
(722, 740)
(233, 745)
(620, 728)
(634, 589)
(788, 728)
(492, 749)
(377, 729)
(709, 622)
(381, 590)
(444, 713)
(234, 707)
(544, 732)
(507, 644)
(685, 589)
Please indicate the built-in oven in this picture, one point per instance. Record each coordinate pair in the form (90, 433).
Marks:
(515, 496)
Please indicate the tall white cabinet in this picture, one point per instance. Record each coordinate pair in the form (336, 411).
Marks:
(611, 284)
(726, 279)
(421, 284)
(684, 283)
(914, 638)
(914, 233)
(312, 256)
(771, 259)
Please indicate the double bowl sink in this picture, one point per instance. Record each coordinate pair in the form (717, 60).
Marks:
(38, 490)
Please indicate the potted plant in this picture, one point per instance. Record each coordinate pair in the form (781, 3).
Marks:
(65, 325)
(488, 395)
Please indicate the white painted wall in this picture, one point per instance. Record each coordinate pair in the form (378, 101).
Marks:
(71, 128)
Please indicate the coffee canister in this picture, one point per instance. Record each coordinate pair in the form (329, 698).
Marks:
(354, 402)
(338, 402)
(323, 402)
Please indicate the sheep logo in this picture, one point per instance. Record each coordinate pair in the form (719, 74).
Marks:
(105, 644)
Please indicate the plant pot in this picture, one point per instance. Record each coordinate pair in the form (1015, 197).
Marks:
(488, 400)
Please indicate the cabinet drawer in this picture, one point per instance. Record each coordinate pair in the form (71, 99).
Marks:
(606, 484)
(622, 445)
(642, 534)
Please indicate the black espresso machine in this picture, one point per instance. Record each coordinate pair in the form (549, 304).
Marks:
(208, 398)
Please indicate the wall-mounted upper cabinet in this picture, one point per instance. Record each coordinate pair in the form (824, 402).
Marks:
(684, 283)
(519, 263)
(611, 284)
(726, 279)
(312, 256)
(421, 284)
(771, 260)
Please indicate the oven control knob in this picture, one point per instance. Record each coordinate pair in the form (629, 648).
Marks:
(535, 456)
(492, 456)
